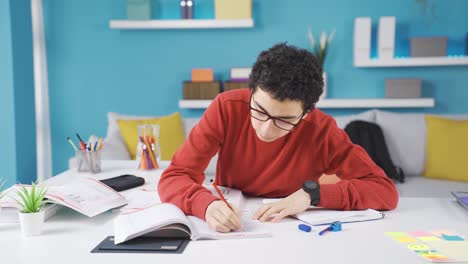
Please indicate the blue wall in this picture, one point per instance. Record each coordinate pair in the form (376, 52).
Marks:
(17, 136)
(94, 70)
(7, 117)
(25, 126)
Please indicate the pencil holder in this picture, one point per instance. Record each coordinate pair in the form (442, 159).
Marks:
(148, 151)
(88, 161)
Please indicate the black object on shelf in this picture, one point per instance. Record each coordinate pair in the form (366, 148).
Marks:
(189, 9)
(186, 9)
(183, 9)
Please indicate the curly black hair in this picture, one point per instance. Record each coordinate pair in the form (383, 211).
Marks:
(288, 72)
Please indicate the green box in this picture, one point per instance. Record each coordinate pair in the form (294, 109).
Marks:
(139, 9)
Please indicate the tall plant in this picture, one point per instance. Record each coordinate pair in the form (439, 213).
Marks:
(320, 46)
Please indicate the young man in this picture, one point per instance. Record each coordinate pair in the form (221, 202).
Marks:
(272, 142)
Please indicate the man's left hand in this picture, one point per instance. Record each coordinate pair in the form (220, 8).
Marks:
(293, 204)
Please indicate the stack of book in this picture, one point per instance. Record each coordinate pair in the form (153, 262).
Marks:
(229, 9)
(239, 79)
(202, 85)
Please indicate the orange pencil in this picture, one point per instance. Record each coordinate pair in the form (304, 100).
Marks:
(150, 152)
(221, 195)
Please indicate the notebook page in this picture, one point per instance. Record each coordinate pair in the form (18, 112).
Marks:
(233, 196)
(87, 196)
(319, 217)
(10, 197)
(137, 223)
(139, 199)
(251, 229)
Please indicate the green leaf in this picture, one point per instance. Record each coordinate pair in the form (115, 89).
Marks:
(39, 198)
(33, 192)
(23, 198)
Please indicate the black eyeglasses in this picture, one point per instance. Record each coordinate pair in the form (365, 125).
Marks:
(278, 122)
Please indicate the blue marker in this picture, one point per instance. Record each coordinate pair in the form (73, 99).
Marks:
(304, 227)
(334, 227)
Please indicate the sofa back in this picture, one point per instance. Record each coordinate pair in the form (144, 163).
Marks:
(406, 137)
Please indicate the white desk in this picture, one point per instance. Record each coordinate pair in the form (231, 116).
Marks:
(68, 237)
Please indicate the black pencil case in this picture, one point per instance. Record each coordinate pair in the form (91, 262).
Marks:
(124, 182)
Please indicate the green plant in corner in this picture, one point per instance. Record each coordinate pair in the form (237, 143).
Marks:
(320, 46)
(32, 198)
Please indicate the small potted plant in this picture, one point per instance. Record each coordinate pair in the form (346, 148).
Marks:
(31, 201)
(320, 51)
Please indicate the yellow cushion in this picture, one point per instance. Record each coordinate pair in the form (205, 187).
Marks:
(171, 133)
(447, 149)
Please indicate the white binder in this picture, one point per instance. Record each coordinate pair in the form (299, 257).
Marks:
(386, 38)
(362, 39)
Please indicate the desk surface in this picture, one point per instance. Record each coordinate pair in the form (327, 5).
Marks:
(69, 236)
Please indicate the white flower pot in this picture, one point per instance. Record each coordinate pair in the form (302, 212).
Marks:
(31, 223)
(324, 94)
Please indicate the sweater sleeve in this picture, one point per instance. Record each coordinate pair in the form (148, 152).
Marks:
(363, 184)
(181, 182)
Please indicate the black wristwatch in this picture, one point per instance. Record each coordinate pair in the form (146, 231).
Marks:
(313, 189)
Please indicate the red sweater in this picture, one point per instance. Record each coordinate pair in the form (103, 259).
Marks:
(275, 169)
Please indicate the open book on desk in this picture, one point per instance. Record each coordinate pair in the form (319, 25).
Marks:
(85, 195)
(167, 220)
(232, 196)
(147, 196)
(321, 216)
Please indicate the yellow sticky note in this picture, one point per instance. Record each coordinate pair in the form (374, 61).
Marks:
(406, 239)
(396, 234)
(418, 247)
(434, 256)
(428, 238)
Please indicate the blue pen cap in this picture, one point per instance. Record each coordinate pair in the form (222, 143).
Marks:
(335, 227)
(304, 227)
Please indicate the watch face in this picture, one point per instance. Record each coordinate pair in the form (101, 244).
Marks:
(311, 185)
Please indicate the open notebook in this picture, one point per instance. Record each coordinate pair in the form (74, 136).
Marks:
(321, 216)
(84, 195)
(167, 220)
(317, 216)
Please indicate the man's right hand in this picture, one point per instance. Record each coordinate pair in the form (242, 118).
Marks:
(221, 218)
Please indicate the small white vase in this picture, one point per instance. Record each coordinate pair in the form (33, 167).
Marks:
(31, 223)
(324, 94)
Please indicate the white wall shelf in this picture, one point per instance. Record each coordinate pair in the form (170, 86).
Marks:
(342, 103)
(181, 23)
(413, 62)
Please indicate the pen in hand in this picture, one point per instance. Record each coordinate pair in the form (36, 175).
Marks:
(221, 196)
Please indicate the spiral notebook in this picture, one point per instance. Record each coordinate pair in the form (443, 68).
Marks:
(319, 216)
